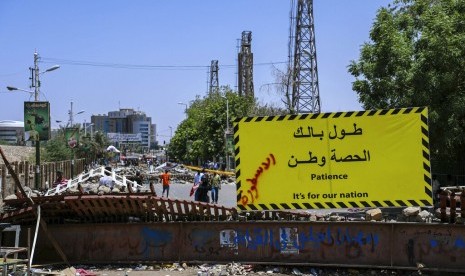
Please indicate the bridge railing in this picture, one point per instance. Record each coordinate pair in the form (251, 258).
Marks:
(120, 181)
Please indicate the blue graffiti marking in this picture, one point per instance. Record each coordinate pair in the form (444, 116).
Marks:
(460, 243)
(259, 237)
(157, 237)
(153, 238)
(200, 237)
(204, 241)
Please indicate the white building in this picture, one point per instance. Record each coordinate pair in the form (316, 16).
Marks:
(12, 132)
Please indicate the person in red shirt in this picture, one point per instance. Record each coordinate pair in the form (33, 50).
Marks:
(60, 181)
(165, 180)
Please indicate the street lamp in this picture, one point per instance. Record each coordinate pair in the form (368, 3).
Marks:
(35, 73)
(227, 115)
(169, 144)
(12, 88)
(54, 67)
(185, 106)
(72, 114)
(227, 136)
(91, 129)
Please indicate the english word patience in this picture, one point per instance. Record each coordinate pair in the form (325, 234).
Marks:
(326, 176)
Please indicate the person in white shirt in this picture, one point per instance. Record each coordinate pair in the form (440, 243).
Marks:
(107, 180)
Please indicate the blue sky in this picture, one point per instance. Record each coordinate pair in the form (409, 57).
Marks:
(184, 34)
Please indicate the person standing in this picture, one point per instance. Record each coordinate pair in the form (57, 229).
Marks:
(204, 187)
(216, 186)
(150, 165)
(165, 181)
(195, 187)
(139, 178)
(436, 189)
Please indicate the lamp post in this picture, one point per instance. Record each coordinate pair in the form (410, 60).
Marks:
(35, 82)
(12, 88)
(71, 124)
(86, 127)
(185, 106)
(169, 144)
(72, 114)
(227, 136)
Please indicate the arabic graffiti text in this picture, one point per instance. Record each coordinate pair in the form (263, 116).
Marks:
(252, 193)
(354, 243)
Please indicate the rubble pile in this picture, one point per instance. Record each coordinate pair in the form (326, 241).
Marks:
(17, 153)
(217, 270)
(409, 214)
(179, 175)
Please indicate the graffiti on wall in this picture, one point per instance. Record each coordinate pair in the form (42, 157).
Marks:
(288, 240)
(430, 243)
(228, 240)
(213, 242)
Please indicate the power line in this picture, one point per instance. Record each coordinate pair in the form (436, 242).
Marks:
(143, 66)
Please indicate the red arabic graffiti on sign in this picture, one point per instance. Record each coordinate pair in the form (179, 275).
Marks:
(252, 193)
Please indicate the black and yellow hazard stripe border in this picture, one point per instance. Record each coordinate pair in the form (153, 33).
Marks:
(426, 201)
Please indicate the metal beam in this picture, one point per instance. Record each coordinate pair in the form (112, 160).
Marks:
(436, 247)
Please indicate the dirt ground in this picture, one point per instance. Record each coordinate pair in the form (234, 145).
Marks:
(229, 269)
(146, 271)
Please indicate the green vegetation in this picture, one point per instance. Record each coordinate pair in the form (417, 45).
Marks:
(4, 142)
(416, 57)
(201, 136)
(57, 149)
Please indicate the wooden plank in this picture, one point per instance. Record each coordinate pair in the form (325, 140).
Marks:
(26, 174)
(3, 181)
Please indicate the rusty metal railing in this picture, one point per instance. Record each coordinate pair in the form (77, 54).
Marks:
(450, 201)
(117, 207)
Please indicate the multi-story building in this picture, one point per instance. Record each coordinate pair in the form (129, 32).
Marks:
(126, 121)
(101, 123)
(12, 132)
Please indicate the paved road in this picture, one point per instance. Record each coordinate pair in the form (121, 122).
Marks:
(226, 196)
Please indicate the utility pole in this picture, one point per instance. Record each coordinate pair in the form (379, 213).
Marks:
(305, 86)
(35, 82)
(71, 115)
(38, 119)
(227, 138)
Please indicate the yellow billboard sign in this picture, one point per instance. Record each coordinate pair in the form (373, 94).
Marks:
(377, 158)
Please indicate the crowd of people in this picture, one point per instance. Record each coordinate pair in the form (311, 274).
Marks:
(204, 183)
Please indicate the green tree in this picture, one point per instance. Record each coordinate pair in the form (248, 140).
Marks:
(416, 57)
(201, 136)
(93, 147)
(56, 149)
